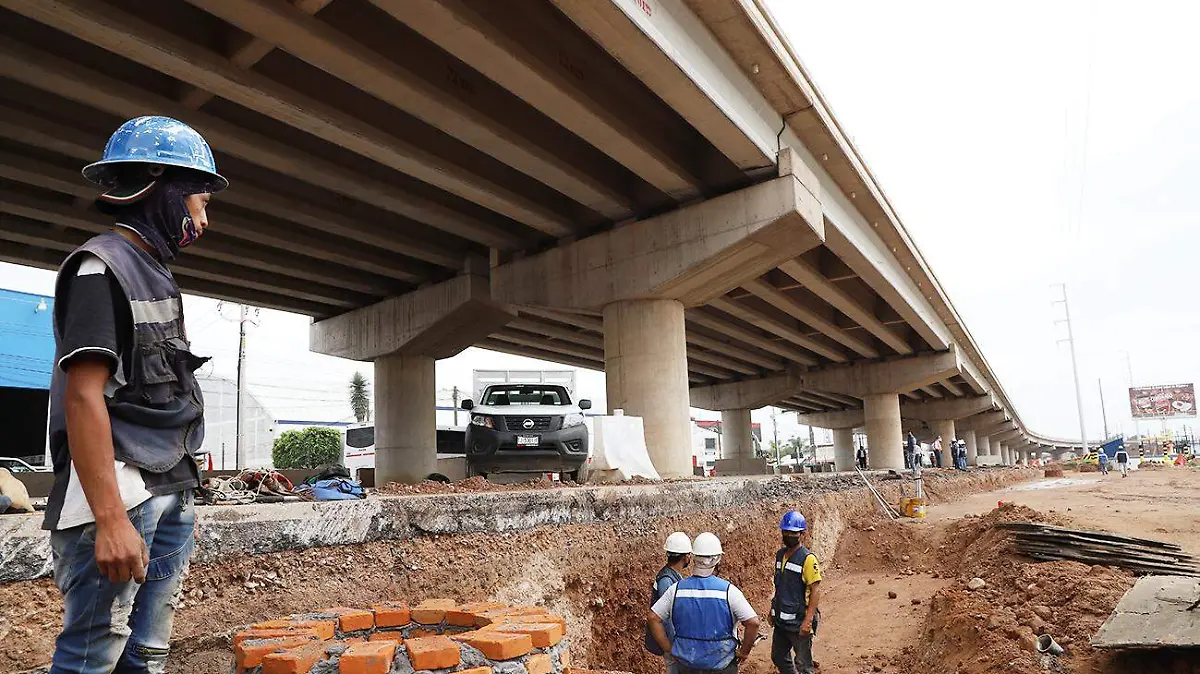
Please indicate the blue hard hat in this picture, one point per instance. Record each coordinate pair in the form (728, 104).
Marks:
(158, 141)
(793, 521)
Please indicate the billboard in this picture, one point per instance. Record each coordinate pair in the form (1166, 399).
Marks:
(1174, 401)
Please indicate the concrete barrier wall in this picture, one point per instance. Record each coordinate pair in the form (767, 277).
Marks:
(236, 531)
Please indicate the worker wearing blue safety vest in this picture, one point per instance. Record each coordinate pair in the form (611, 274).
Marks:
(794, 612)
(704, 611)
(679, 554)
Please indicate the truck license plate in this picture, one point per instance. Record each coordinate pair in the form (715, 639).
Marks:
(528, 440)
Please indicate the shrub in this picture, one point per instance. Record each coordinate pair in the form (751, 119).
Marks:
(308, 448)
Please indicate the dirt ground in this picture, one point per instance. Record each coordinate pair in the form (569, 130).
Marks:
(598, 577)
(956, 631)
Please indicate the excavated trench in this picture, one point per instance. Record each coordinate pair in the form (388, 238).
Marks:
(596, 574)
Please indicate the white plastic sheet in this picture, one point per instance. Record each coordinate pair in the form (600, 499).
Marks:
(619, 449)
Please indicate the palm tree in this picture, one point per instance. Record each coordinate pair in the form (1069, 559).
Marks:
(360, 397)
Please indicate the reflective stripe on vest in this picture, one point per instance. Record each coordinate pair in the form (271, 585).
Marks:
(704, 624)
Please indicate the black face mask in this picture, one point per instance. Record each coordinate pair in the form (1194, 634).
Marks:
(790, 540)
(161, 217)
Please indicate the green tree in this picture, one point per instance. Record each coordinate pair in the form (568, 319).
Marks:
(360, 397)
(308, 448)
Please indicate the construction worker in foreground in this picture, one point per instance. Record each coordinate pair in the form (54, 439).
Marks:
(126, 413)
(794, 612)
(704, 611)
(679, 554)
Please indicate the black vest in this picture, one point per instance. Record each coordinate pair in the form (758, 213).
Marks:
(157, 416)
(666, 572)
(790, 590)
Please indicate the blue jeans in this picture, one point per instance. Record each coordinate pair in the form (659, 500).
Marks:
(122, 627)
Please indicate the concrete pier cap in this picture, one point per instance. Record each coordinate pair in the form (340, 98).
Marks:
(404, 336)
(643, 275)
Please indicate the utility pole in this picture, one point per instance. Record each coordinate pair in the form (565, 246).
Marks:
(1103, 412)
(1070, 340)
(454, 397)
(244, 317)
(1137, 426)
(775, 434)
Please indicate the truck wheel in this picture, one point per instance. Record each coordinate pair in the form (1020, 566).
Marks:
(473, 472)
(580, 475)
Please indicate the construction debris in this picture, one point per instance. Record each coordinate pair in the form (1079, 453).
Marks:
(1154, 613)
(1049, 543)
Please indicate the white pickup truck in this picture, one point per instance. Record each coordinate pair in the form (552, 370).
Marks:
(527, 428)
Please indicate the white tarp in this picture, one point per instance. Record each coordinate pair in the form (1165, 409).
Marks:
(619, 449)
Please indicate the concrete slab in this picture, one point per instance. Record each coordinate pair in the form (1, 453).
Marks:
(1154, 614)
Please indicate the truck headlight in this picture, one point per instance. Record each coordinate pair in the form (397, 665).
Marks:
(572, 420)
(481, 420)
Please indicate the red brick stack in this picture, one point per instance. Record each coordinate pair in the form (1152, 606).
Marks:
(437, 634)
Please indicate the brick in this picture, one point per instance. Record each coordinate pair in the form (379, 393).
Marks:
(249, 653)
(392, 614)
(297, 660)
(544, 635)
(500, 646)
(322, 628)
(465, 615)
(421, 634)
(539, 664)
(432, 652)
(352, 619)
(485, 618)
(564, 659)
(476, 670)
(391, 635)
(432, 611)
(252, 633)
(466, 636)
(372, 657)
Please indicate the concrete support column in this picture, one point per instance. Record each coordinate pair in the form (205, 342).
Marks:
(645, 364)
(885, 437)
(984, 444)
(843, 449)
(968, 437)
(1005, 455)
(736, 439)
(945, 429)
(405, 419)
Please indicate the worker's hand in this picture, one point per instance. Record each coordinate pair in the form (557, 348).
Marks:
(121, 551)
(806, 628)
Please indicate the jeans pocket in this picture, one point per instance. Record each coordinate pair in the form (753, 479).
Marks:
(171, 563)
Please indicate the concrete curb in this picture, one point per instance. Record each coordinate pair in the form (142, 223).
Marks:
(236, 531)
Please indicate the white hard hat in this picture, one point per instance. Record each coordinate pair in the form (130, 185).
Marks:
(678, 543)
(707, 545)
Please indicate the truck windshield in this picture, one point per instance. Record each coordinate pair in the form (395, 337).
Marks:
(526, 394)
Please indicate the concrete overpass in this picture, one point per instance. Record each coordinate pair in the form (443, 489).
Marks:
(653, 188)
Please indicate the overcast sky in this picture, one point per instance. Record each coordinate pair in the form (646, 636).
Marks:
(1023, 144)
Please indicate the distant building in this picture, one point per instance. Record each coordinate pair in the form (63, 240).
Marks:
(220, 426)
(26, 363)
(706, 442)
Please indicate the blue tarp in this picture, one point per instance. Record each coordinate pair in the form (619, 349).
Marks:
(26, 340)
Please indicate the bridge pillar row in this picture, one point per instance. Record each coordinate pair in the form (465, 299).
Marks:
(968, 437)
(737, 442)
(984, 444)
(646, 373)
(843, 449)
(944, 428)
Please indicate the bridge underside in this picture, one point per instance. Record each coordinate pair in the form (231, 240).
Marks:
(424, 175)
